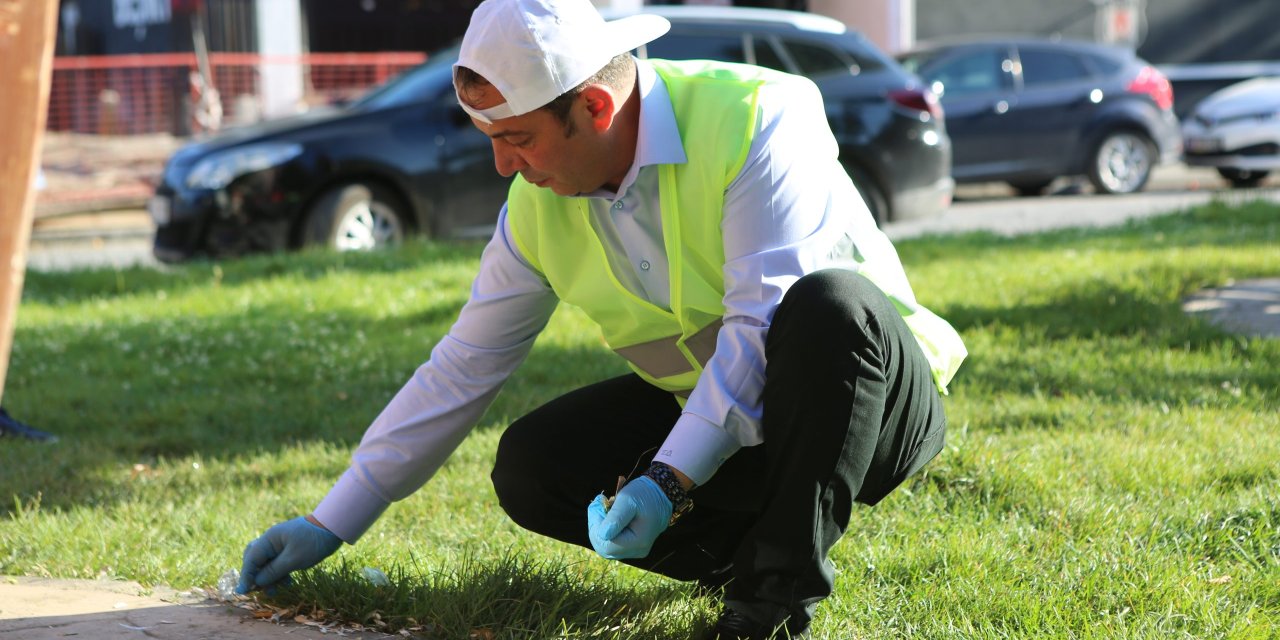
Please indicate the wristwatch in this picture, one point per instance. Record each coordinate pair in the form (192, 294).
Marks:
(666, 479)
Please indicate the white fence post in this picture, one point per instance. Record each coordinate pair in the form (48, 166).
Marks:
(280, 43)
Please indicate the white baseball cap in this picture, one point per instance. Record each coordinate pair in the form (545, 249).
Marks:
(533, 51)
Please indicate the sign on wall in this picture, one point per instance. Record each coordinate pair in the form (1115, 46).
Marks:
(140, 14)
(142, 19)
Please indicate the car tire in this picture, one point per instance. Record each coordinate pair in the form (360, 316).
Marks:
(1031, 188)
(356, 216)
(1121, 162)
(1243, 178)
(870, 192)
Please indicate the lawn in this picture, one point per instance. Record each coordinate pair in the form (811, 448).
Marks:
(1111, 467)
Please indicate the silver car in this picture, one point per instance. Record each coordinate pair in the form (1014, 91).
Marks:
(1237, 131)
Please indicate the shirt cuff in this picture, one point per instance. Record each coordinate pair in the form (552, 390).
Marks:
(697, 447)
(349, 509)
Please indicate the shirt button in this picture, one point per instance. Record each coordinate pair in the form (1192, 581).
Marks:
(617, 205)
(644, 265)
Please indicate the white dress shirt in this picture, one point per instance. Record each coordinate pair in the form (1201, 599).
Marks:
(791, 210)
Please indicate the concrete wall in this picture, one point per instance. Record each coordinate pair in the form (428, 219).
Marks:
(1197, 31)
(943, 18)
(888, 23)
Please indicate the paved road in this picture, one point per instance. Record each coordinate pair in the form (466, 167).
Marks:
(123, 238)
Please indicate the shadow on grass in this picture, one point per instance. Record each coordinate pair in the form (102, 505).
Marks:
(508, 596)
(1085, 310)
(1111, 327)
(1092, 316)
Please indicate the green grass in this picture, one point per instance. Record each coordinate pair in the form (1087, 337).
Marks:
(1111, 469)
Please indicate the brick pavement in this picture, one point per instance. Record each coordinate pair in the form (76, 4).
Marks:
(50, 609)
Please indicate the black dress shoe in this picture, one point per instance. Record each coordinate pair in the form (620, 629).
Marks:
(736, 626)
(10, 428)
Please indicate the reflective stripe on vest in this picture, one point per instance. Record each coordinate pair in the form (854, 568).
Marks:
(662, 358)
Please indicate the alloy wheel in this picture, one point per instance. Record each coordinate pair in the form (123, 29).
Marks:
(1123, 163)
(367, 225)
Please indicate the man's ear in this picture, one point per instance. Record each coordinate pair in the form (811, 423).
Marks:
(600, 106)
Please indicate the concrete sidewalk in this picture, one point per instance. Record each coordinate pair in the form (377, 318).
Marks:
(1247, 307)
(45, 609)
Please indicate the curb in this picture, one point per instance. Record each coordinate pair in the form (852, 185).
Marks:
(107, 223)
(53, 203)
(61, 236)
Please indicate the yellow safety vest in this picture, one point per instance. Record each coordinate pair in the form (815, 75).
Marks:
(715, 108)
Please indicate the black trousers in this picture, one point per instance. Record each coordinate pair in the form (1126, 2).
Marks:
(850, 411)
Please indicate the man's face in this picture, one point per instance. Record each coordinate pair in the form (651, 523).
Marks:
(536, 146)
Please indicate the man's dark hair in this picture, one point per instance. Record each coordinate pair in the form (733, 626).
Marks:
(615, 75)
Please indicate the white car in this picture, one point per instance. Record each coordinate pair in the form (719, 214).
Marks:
(1236, 130)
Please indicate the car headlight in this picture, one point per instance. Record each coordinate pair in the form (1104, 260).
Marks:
(220, 168)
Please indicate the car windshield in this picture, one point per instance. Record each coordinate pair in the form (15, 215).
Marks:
(423, 83)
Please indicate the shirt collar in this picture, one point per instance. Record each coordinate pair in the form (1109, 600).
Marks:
(659, 137)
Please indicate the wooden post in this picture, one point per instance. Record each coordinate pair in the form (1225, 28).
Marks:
(27, 32)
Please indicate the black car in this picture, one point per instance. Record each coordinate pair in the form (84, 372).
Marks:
(403, 159)
(406, 159)
(1026, 111)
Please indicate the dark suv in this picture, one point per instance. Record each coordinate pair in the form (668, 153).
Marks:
(406, 159)
(893, 142)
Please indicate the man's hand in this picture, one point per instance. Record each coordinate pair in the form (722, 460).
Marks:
(287, 547)
(627, 530)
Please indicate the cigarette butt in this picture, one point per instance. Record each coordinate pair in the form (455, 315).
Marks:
(608, 501)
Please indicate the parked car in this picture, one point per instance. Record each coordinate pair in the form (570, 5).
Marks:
(1027, 111)
(406, 159)
(1236, 130)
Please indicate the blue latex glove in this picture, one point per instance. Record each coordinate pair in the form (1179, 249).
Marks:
(290, 546)
(640, 512)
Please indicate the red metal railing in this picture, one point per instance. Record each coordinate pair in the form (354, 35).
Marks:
(155, 93)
